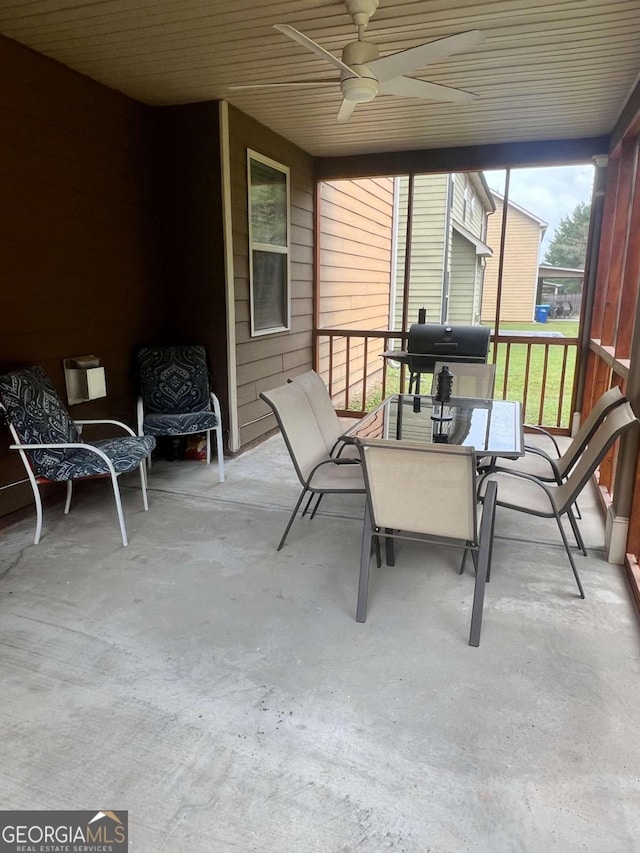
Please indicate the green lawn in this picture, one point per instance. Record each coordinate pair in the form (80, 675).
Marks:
(537, 397)
(569, 328)
(514, 389)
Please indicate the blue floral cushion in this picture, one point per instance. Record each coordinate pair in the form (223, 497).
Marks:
(38, 415)
(35, 410)
(174, 380)
(125, 454)
(179, 424)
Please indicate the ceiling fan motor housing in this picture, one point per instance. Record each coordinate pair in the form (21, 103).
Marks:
(365, 87)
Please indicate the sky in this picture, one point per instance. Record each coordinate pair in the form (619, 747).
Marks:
(549, 193)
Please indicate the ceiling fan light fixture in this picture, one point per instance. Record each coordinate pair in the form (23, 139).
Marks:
(359, 89)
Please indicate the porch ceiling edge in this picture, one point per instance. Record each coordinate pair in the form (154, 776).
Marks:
(556, 152)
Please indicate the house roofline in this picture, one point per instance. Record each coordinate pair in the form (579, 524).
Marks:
(541, 222)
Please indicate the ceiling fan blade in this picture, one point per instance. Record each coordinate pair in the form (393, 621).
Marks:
(346, 111)
(305, 41)
(286, 84)
(408, 87)
(405, 61)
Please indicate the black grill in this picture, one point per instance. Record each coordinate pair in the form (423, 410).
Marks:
(429, 342)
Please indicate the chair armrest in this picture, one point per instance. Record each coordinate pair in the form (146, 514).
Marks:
(331, 461)
(545, 433)
(536, 451)
(107, 421)
(140, 415)
(79, 445)
(216, 407)
(521, 475)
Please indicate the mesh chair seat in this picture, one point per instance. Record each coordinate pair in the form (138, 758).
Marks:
(338, 478)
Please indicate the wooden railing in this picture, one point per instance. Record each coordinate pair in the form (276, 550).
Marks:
(536, 370)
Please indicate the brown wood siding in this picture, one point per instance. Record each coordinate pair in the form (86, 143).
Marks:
(267, 361)
(79, 272)
(356, 220)
(520, 273)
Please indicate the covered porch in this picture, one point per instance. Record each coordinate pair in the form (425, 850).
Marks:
(226, 696)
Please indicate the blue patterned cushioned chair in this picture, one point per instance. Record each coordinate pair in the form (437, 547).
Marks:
(51, 447)
(175, 397)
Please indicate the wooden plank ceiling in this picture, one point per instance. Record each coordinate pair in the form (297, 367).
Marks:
(549, 69)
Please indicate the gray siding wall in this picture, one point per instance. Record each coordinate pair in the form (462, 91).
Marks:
(428, 244)
(462, 284)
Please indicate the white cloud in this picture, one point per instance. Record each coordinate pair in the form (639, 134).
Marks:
(550, 192)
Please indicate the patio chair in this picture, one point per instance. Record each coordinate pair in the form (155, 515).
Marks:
(328, 422)
(52, 449)
(469, 380)
(175, 397)
(426, 493)
(545, 467)
(325, 414)
(524, 493)
(318, 472)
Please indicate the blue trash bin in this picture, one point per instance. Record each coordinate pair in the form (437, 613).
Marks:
(542, 313)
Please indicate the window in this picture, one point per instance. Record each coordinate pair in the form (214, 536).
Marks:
(469, 201)
(268, 244)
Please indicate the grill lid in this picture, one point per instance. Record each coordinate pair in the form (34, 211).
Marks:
(431, 342)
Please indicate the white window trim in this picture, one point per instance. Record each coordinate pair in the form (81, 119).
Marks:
(267, 247)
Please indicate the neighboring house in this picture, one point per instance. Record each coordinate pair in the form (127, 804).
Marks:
(524, 233)
(561, 289)
(362, 259)
(355, 262)
(449, 247)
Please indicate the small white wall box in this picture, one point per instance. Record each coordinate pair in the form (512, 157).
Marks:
(84, 378)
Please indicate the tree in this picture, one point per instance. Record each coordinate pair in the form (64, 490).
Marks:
(568, 246)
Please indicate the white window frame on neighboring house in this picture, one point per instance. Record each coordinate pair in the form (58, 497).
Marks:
(278, 247)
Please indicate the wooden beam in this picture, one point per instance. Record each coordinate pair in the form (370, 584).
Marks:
(626, 179)
(604, 253)
(628, 123)
(558, 152)
(631, 272)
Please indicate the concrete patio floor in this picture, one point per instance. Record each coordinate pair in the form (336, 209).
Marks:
(224, 694)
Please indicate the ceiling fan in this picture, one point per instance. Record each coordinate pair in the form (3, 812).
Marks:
(363, 75)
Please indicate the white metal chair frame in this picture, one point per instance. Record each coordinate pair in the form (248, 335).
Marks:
(476, 537)
(35, 480)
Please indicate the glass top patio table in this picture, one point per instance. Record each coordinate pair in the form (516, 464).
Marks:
(492, 427)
